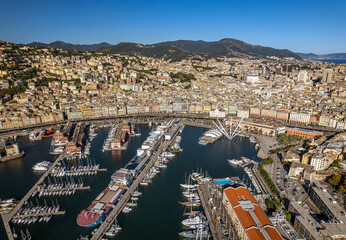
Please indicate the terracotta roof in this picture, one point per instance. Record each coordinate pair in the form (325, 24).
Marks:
(243, 202)
(236, 194)
(255, 234)
(272, 232)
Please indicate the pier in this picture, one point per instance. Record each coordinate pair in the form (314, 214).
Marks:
(150, 161)
(8, 216)
(40, 214)
(204, 191)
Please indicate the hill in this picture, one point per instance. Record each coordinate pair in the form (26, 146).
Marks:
(165, 52)
(180, 49)
(70, 46)
(229, 47)
(322, 56)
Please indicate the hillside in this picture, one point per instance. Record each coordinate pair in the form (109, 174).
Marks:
(70, 46)
(229, 47)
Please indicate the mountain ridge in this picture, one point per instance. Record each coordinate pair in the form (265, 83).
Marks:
(322, 56)
(228, 47)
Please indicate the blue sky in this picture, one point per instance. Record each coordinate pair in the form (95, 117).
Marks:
(317, 26)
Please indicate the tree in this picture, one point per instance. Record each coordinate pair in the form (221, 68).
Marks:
(288, 215)
(335, 180)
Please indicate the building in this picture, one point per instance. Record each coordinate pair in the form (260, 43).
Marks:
(251, 78)
(306, 158)
(300, 117)
(327, 75)
(319, 161)
(249, 220)
(303, 133)
(217, 113)
(304, 223)
(303, 76)
(328, 205)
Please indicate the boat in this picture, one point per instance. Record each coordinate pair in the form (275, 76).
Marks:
(201, 232)
(127, 209)
(191, 204)
(204, 140)
(104, 202)
(113, 230)
(188, 185)
(252, 139)
(194, 221)
(41, 166)
(136, 193)
(48, 133)
(167, 154)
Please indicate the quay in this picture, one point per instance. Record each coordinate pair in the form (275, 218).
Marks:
(8, 216)
(260, 180)
(207, 203)
(40, 214)
(219, 224)
(150, 161)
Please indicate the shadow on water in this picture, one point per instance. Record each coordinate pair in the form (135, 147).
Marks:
(158, 214)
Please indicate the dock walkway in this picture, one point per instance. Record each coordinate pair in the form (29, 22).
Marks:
(125, 198)
(40, 214)
(8, 216)
(209, 209)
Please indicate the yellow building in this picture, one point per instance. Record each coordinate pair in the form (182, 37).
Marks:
(306, 158)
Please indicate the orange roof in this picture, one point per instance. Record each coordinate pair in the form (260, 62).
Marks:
(261, 216)
(272, 232)
(255, 234)
(236, 194)
(244, 217)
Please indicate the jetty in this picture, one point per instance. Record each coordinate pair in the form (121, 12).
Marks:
(149, 163)
(204, 191)
(8, 216)
(40, 214)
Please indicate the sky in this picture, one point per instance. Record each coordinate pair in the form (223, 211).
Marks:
(306, 26)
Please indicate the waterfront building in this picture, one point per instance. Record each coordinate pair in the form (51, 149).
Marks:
(300, 117)
(268, 113)
(303, 133)
(249, 220)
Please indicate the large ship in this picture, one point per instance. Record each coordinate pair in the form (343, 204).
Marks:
(104, 202)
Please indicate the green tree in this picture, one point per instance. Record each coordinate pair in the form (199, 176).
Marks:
(335, 180)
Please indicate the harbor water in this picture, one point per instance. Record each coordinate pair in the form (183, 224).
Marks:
(158, 214)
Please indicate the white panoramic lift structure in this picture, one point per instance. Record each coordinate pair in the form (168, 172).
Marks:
(231, 134)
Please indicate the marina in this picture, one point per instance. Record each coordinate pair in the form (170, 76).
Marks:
(143, 167)
(182, 162)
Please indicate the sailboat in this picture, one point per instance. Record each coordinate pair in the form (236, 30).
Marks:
(193, 202)
(22, 234)
(14, 234)
(28, 236)
(188, 185)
